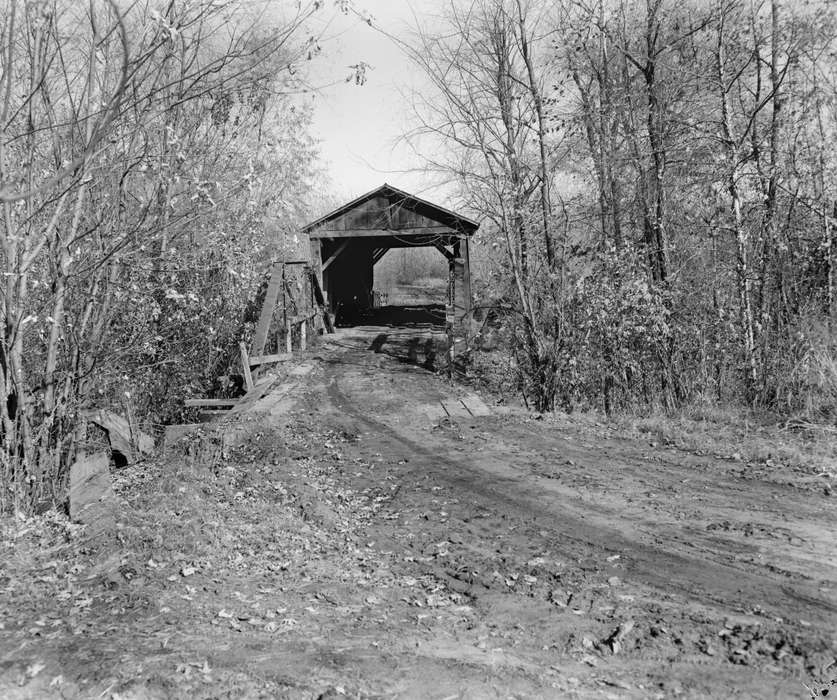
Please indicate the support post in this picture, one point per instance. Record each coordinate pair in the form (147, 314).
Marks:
(245, 363)
(468, 300)
(285, 316)
(315, 272)
(450, 315)
(318, 297)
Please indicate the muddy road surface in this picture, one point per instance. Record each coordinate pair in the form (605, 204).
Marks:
(383, 533)
(725, 578)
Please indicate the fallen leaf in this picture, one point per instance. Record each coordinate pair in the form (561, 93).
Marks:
(34, 669)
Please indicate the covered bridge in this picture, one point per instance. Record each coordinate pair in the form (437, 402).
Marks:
(347, 243)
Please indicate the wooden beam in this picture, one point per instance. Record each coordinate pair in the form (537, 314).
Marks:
(250, 398)
(333, 256)
(320, 299)
(210, 403)
(302, 318)
(257, 360)
(268, 307)
(379, 232)
(444, 251)
(245, 363)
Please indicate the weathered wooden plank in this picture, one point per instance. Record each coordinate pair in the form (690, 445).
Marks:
(250, 398)
(475, 405)
(320, 299)
(257, 360)
(455, 409)
(444, 251)
(268, 307)
(120, 434)
(210, 403)
(92, 500)
(384, 232)
(245, 363)
(333, 256)
(302, 318)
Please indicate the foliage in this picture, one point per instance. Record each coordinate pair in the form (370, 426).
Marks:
(152, 163)
(658, 191)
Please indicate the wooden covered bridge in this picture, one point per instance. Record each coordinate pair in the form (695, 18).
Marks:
(338, 278)
(305, 295)
(347, 243)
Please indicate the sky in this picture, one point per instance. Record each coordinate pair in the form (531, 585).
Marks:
(360, 128)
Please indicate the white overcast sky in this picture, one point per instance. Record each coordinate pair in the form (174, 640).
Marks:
(359, 127)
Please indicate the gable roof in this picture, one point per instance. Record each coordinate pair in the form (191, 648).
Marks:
(401, 199)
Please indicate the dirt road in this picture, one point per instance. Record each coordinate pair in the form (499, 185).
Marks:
(723, 573)
(374, 535)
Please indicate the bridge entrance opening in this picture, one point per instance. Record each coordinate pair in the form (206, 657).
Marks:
(349, 243)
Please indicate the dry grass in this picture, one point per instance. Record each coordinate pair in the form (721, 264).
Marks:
(746, 436)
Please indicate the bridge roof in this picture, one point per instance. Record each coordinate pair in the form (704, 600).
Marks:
(388, 209)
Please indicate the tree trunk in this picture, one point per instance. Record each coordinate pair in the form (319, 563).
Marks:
(742, 266)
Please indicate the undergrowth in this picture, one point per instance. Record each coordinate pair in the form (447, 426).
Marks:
(740, 434)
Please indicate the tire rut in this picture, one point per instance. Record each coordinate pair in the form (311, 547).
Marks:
(700, 580)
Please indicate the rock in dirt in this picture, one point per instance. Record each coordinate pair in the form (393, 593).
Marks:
(558, 597)
(614, 641)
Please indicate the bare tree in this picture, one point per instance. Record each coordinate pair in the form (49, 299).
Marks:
(114, 124)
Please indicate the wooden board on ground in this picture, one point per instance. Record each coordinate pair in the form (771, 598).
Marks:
(211, 403)
(476, 405)
(455, 409)
(250, 398)
(121, 436)
(92, 500)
